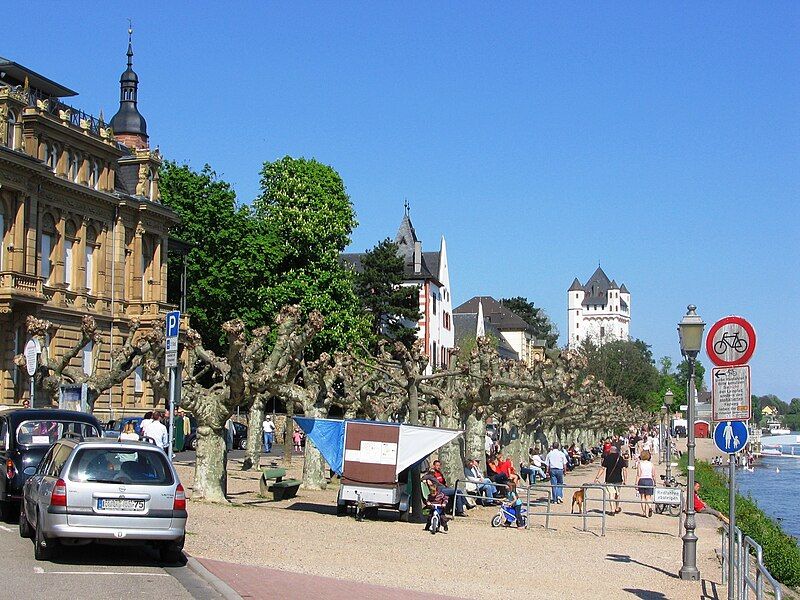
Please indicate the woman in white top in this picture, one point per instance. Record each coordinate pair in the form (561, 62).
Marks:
(645, 480)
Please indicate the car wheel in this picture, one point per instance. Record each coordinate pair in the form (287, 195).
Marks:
(171, 552)
(25, 530)
(193, 444)
(243, 444)
(44, 548)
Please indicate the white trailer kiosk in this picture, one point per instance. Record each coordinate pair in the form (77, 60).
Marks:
(372, 458)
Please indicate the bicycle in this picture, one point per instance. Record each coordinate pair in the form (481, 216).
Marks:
(732, 341)
(506, 516)
(674, 510)
(437, 519)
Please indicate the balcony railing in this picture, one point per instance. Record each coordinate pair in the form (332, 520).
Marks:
(64, 112)
(16, 284)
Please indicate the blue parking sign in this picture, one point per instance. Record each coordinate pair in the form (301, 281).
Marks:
(731, 436)
(173, 323)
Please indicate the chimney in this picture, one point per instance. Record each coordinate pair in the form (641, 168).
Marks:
(417, 257)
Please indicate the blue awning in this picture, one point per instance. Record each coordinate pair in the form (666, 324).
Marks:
(328, 436)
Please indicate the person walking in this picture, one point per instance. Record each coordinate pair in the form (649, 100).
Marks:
(556, 463)
(614, 466)
(646, 481)
(268, 427)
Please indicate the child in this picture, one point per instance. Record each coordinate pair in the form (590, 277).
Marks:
(514, 503)
(297, 438)
(436, 498)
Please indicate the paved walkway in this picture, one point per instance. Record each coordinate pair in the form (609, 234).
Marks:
(261, 583)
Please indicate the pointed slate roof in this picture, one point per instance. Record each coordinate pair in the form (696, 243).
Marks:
(576, 286)
(623, 289)
(498, 315)
(406, 236)
(596, 288)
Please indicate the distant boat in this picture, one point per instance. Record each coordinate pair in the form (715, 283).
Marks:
(771, 452)
(778, 430)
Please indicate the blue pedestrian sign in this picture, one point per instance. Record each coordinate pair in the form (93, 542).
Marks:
(731, 436)
(173, 323)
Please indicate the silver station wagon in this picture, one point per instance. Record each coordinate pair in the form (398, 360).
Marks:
(106, 491)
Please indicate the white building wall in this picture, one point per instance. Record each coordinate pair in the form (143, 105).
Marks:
(610, 319)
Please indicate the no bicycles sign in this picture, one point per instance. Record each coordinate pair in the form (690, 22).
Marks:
(731, 342)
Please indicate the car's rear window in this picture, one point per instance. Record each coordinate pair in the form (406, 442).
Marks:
(46, 432)
(126, 466)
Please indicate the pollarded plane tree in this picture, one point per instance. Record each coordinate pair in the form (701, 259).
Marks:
(52, 372)
(404, 371)
(247, 369)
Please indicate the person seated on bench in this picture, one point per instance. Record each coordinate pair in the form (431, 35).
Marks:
(435, 474)
(483, 485)
(535, 467)
(505, 467)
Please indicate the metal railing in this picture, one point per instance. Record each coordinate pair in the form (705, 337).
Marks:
(460, 485)
(750, 576)
(651, 503)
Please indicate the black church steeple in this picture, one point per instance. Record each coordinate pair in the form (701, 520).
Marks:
(128, 124)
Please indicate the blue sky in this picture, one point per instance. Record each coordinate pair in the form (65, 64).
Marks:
(662, 141)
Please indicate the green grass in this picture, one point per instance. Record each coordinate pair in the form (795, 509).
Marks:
(781, 551)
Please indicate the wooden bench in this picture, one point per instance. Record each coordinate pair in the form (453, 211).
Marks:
(281, 488)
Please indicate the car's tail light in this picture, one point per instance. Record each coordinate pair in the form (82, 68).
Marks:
(59, 496)
(180, 499)
(10, 470)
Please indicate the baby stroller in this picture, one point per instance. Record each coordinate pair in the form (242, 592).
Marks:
(438, 518)
(506, 516)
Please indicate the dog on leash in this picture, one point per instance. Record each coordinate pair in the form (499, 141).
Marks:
(577, 498)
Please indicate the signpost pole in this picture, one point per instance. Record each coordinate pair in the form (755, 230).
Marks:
(171, 413)
(32, 386)
(732, 526)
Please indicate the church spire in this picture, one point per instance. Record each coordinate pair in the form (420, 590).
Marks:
(128, 124)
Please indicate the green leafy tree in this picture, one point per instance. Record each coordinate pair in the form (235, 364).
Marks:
(628, 370)
(391, 306)
(543, 327)
(232, 254)
(682, 375)
(305, 207)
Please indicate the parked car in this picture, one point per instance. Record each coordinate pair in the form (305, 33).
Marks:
(239, 436)
(106, 491)
(115, 428)
(25, 436)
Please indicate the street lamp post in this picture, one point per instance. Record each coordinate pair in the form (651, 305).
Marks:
(690, 333)
(668, 395)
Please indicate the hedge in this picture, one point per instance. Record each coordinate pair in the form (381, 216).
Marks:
(780, 551)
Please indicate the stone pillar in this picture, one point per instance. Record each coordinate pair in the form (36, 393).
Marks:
(17, 261)
(136, 292)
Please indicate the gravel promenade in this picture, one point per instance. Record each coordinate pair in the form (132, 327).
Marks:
(637, 558)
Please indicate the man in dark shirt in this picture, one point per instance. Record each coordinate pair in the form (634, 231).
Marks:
(436, 475)
(614, 466)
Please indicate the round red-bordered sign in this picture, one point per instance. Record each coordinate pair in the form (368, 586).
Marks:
(731, 342)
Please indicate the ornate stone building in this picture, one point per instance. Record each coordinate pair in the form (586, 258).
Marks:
(83, 228)
(599, 310)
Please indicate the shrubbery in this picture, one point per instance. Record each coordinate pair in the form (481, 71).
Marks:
(781, 552)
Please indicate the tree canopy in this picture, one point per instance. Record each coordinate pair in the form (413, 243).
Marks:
(305, 207)
(231, 257)
(543, 327)
(391, 306)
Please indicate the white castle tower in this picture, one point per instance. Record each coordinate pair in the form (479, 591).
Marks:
(600, 310)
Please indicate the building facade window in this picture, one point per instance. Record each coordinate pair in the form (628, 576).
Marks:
(51, 156)
(89, 259)
(2, 237)
(433, 302)
(48, 245)
(70, 242)
(88, 356)
(94, 175)
(73, 166)
(11, 130)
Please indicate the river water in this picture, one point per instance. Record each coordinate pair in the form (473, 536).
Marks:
(775, 485)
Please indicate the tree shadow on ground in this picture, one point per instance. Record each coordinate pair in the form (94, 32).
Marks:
(625, 558)
(322, 509)
(646, 594)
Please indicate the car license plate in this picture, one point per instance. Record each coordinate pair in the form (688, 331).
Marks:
(120, 504)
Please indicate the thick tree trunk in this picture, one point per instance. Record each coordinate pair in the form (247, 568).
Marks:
(288, 429)
(210, 476)
(255, 436)
(314, 467)
(474, 437)
(450, 453)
